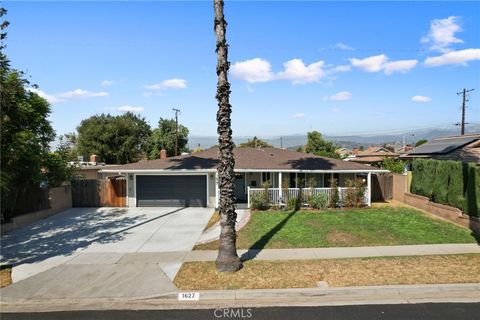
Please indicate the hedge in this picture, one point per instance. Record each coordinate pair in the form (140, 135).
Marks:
(448, 182)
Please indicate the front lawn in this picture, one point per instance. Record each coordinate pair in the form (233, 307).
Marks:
(345, 228)
(338, 273)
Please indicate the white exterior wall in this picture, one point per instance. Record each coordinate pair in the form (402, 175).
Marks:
(131, 199)
(211, 199)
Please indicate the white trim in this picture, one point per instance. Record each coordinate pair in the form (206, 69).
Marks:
(369, 191)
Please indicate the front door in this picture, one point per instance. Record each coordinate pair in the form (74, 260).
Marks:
(240, 193)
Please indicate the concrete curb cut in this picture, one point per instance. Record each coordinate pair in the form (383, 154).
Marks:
(321, 296)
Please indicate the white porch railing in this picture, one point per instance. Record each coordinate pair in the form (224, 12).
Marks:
(276, 196)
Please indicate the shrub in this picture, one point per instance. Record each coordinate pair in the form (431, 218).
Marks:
(319, 201)
(335, 197)
(360, 189)
(294, 204)
(258, 202)
(472, 193)
(350, 195)
(394, 166)
(423, 177)
(441, 181)
(455, 196)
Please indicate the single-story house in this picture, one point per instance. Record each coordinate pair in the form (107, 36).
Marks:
(371, 155)
(192, 180)
(464, 148)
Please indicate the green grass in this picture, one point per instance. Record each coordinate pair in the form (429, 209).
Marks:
(345, 228)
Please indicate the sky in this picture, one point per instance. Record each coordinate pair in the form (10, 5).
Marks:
(337, 67)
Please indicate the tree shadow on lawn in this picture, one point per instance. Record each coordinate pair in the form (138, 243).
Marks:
(65, 233)
(261, 243)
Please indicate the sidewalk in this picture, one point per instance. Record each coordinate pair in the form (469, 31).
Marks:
(338, 253)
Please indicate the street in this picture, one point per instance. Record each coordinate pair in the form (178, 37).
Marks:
(428, 311)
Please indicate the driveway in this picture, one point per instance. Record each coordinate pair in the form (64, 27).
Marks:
(104, 236)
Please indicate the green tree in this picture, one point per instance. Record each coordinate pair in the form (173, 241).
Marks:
(319, 146)
(227, 259)
(115, 139)
(67, 146)
(395, 166)
(164, 137)
(255, 143)
(420, 142)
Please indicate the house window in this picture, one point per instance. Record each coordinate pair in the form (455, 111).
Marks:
(327, 177)
(267, 177)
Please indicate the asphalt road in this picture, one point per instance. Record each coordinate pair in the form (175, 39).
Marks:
(428, 311)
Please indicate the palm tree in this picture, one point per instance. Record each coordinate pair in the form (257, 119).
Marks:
(227, 259)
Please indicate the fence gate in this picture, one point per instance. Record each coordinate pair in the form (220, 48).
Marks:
(382, 187)
(110, 192)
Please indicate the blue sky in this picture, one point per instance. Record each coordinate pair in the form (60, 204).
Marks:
(337, 67)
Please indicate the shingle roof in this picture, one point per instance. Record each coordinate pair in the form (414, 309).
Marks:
(444, 145)
(248, 158)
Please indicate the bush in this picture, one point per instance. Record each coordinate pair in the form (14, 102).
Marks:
(258, 202)
(350, 194)
(455, 195)
(472, 193)
(423, 177)
(319, 201)
(294, 204)
(441, 181)
(335, 197)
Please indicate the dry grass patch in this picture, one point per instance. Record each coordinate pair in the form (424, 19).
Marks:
(338, 273)
(5, 276)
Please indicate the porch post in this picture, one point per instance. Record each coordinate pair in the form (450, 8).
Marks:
(369, 192)
(280, 191)
(217, 194)
(248, 197)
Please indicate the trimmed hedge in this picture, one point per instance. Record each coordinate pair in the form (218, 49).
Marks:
(448, 182)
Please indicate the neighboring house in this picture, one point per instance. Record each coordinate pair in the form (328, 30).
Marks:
(191, 180)
(91, 169)
(343, 152)
(371, 155)
(464, 148)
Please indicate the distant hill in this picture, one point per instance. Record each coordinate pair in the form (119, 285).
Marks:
(348, 141)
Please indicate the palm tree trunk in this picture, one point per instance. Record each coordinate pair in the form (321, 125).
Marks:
(227, 259)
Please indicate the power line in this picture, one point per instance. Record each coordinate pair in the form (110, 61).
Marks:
(464, 93)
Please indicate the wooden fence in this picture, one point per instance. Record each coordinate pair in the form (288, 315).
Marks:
(110, 192)
(382, 187)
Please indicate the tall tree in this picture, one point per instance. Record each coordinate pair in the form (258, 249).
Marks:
(255, 143)
(319, 146)
(227, 259)
(115, 139)
(164, 137)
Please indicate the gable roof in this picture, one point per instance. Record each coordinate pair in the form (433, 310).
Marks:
(444, 145)
(247, 159)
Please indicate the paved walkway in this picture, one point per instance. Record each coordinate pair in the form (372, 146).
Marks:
(336, 253)
(213, 233)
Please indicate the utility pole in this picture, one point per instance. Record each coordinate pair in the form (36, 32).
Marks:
(464, 93)
(176, 130)
(281, 142)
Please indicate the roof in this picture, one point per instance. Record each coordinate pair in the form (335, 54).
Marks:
(374, 151)
(247, 159)
(444, 145)
(367, 159)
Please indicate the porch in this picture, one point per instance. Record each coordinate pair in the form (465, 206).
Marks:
(311, 182)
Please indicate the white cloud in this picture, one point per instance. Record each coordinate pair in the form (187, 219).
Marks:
(167, 84)
(454, 57)
(442, 34)
(127, 108)
(299, 73)
(421, 99)
(107, 83)
(381, 63)
(341, 96)
(80, 94)
(336, 110)
(370, 64)
(50, 98)
(341, 68)
(253, 70)
(343, 46)
(299, 115)
(399, 66)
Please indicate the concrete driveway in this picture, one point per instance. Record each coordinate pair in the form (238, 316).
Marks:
(104, 236)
